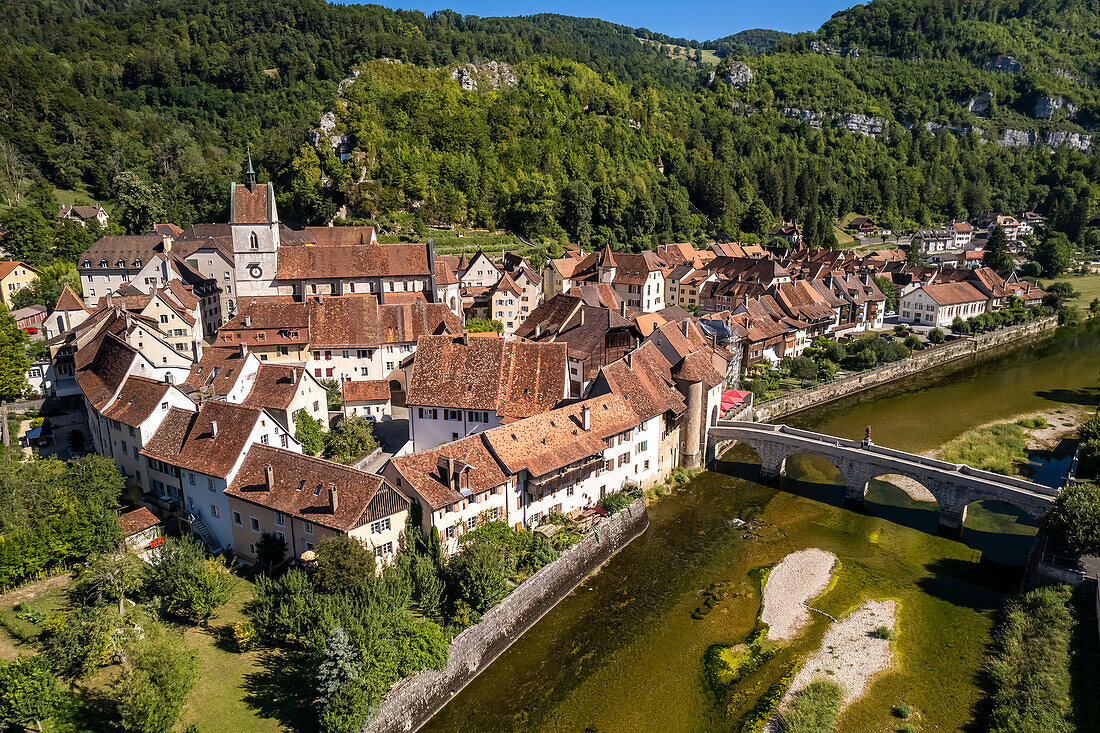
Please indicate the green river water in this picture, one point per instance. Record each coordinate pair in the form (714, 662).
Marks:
(623, 653)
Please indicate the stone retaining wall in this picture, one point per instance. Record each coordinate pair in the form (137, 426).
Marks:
(415, 699)
(927, 359)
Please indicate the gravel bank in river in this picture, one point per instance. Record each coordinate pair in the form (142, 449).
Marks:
(849, 655)
(791, 585)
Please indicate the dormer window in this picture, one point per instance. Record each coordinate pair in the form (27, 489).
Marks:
(87, 263)
(137, 263)
(103, 263)
(121, 262)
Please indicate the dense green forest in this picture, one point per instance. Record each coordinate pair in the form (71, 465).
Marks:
(148, 106)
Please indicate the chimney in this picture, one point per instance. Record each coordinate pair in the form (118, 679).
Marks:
(248, 321)
(333, 498)
(684, 327)
(465, 338)
(582, 315)
(452, 479)
(630, 360)
(622, 308)
(166, 242)
(269, 477)
(244, 350)
(213, 428)
(538, 330)
(586, 417)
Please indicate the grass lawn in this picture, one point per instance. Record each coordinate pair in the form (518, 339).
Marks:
(225, 675)
(235, 691)
(998, 448)
(1087, 285)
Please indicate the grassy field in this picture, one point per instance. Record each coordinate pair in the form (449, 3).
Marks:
(1087, 285)
(685, 53)
(235, 691)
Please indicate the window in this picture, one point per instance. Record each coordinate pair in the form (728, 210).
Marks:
(389, 366)
(254, 523)
(450, 533)
(214, 511)
(569, 491)
(191, 477)
(384, 550)
(280, 519)
(209, 484)
(307, 527)
(253, 241)
(471, 523)
(382, 525)
(237, 518)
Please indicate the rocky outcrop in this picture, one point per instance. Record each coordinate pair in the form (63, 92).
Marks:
(829, 49)
(739, 74)
(957, 130)
(863, 124)
(979, 103)
(1068, 75)
(489, 75)
(852, 121)
(1004, 65)
(1056, 139)
(1045, 107)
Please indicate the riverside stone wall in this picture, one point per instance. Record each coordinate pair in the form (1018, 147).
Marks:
(931, 357)
(415, 699)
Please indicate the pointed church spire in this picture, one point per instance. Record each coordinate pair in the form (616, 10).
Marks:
(250, 175)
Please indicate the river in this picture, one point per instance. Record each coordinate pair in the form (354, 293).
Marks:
(623, 653)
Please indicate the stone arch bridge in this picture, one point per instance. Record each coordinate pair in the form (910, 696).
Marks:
(953, 485)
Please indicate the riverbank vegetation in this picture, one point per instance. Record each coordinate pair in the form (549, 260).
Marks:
(1029, 672)
(813, 709)
(1000, 448)
(1074, 521)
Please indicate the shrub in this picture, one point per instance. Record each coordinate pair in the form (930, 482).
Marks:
(814, 708)
(936, 336)
(903, 710)
(1075, 518)
(244, 633)
(482, 325)
(192, 585)
(618, 501)
(342, 563)
(883, 632)
(912, 343)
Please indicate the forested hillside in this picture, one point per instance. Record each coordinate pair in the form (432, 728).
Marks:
(148, 106)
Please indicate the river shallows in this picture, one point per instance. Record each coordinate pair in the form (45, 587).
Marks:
(622, 652)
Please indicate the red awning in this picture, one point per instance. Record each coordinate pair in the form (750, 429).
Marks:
(732, 398)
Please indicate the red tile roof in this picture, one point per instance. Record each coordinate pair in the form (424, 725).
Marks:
(137, 520)
(69, 301)
(353, 261)
(187, 439)
(251, 207)
(478, 471)
(101, 366)
(136, 401)
(953, 293)
(366, 390)
(7, 266)
(555, 439)
(301, 488)
(342, 236)
(275, 386)
(514, 378)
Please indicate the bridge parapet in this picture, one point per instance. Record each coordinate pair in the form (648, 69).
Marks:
(953, 485)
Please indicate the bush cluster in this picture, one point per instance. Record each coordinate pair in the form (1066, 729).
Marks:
(1029, 672)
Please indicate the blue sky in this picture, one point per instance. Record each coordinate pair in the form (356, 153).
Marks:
(696, 19)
